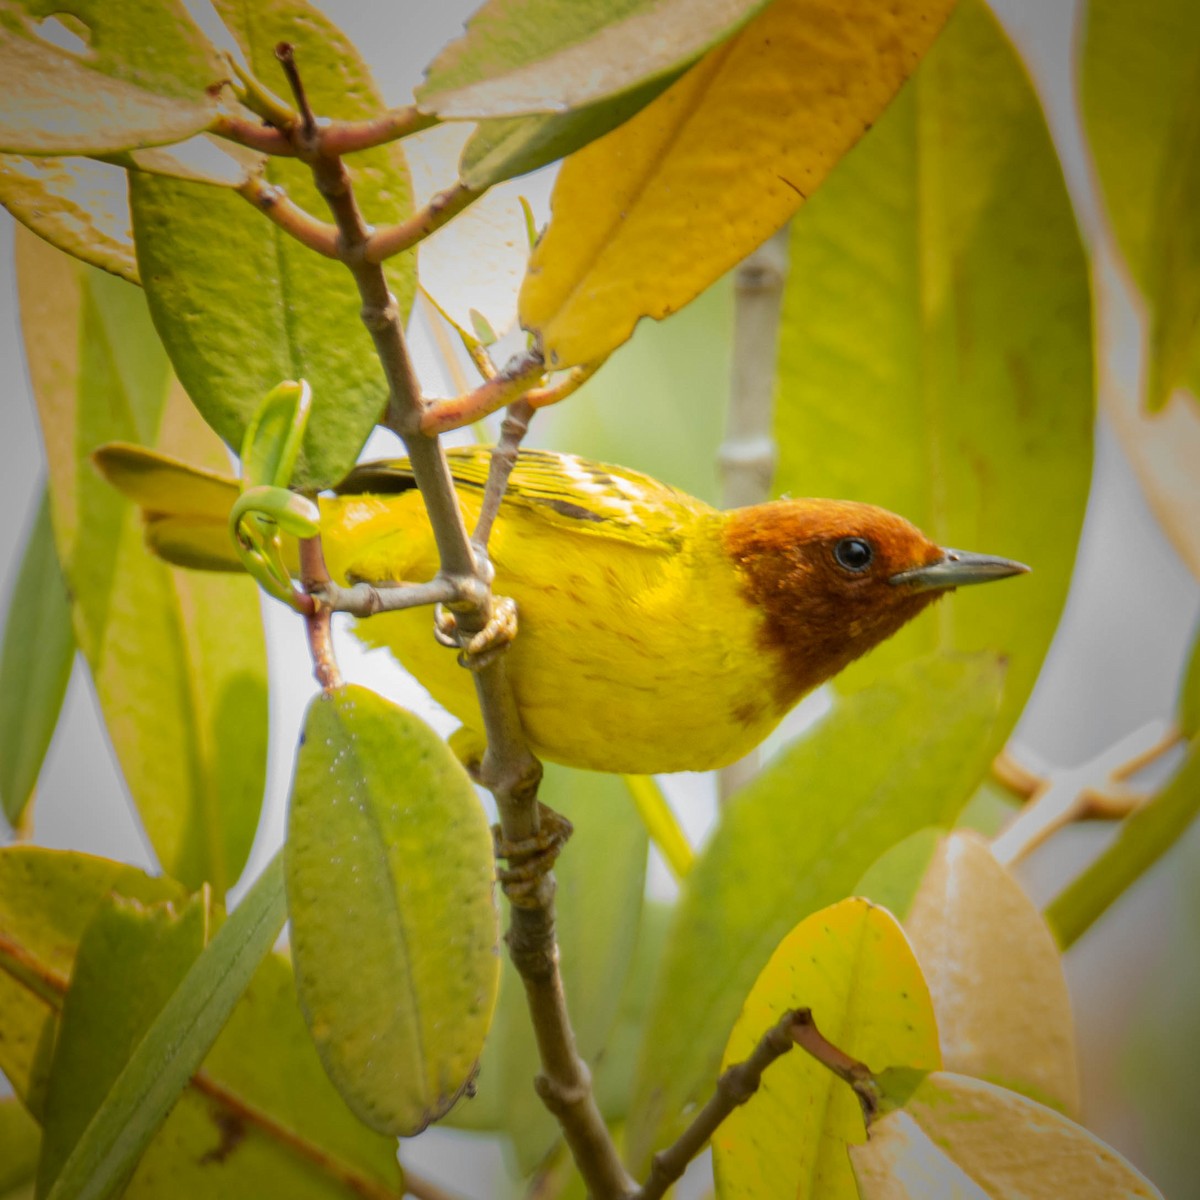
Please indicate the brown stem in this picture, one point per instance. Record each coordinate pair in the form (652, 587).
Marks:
(314, 575)
(264, 138)
(509, 769)
(346, 137)
(858, 1075)
(273, 203)
(490, 396)
(736, 1085)
(444, 207)
(572, 381)
(366, 599)
(286, 55)
(513, 429)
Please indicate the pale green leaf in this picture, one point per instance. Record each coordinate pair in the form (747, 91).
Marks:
(177, 658)
(1003, 1010)
(394, 925)
(936, 333)
(77, 204)
(884, 764)
(1139, 83)
(19, 1149)
(131, 958)
(893, 878)
(851, 965)
(47, 900)
(239, 304)
(1189, 693)
(35, 664)
(529, 56)
(965, 1138)
(166, 1057)
(138, 74)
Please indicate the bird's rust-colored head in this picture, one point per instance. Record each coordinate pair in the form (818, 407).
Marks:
(835, 578)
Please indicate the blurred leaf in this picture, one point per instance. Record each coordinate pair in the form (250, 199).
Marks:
(1003, 1010)
(166, 1056)
(745, 135)
(1163, 449)
(849, 963)
(47, 900)
(510, 146)
(262, 1117)
(1189, 693)
(142, 75)
(1144, 836)
(601, 880)
(35, 664)
(394, 926)
(20, 1144)
(530, 56)
(178, 659)
(659, 403)
(938, 290)
(893, 878)
(131, 958)
(963, 1137)
(884, 764)
(238, 303)
(77, 204)
(1139, 82)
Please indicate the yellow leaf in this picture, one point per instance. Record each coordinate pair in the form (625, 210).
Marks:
(647, 217)
(970, 1140)
(849, 963)
(995, 973)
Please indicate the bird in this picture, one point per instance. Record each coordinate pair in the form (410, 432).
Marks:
(656, 633)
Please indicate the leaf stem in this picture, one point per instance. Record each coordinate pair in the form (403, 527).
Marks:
(444, 207)
(274, 204)
(501, 389)
(314, 575)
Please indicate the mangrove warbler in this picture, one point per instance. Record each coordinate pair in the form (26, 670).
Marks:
(656, 633)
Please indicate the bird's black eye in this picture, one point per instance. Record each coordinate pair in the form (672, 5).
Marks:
(854, 554)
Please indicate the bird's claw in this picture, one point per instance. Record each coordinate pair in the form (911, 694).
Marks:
(531, 859)
(482, 647)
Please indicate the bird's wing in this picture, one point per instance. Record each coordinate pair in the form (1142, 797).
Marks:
(562, 489)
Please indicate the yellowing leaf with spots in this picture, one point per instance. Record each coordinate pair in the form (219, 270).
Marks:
(851, 964)
(647, 217)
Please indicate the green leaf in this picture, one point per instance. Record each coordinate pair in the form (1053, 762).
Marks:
(394, 926)
(1144, 837)
(77, 204)
(274, 436)
(893, 878)
(35, 664)
(20, 1144)
(510, 146)
(959, 1136)
(166, 1057)
(796, 839)
(178, 659)
(131, 958)
(1140, 97)
(262, 1117)
(47, 900)
(996, 975)
(144, 75)
(937, 324)
(601, 880)
(239, 304)
(528, 56)
(851, 964)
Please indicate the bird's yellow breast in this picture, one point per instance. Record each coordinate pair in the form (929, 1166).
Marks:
(637, 656)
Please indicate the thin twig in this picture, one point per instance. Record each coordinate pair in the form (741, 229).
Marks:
(560, 389)
(347, 137)
(444, 207)
(314, 576)
(858, 1075)
(736, 1085)
(287, 60)
(518, 375)
(264, 138)
(513, 429)
(274, 204)
(508, 769)
(367, 599)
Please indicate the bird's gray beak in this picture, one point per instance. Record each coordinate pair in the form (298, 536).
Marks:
(957, 568)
